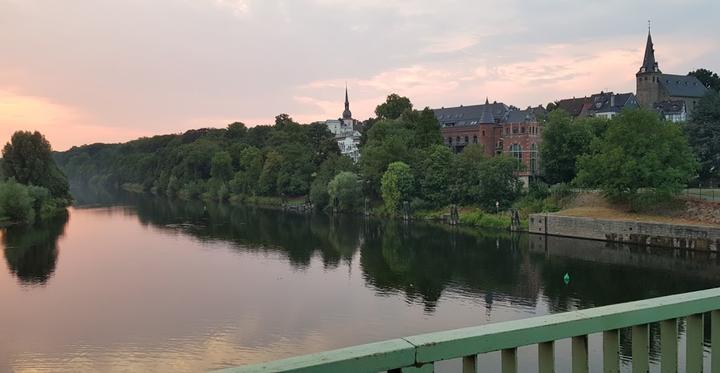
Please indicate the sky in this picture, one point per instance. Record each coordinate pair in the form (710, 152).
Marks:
(85, 71)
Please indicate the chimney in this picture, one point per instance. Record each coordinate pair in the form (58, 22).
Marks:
(612, 100)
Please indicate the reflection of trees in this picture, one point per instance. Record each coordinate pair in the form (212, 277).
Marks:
(31, 251)
(424, 261)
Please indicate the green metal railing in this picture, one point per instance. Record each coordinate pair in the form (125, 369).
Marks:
(419, 353)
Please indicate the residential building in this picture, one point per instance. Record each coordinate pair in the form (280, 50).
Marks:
(500, 129)
(602, 105)
(672, 110)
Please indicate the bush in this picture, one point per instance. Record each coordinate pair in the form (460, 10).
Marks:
(561, 191)
(396, 186)
(479, 218)
(16, 203)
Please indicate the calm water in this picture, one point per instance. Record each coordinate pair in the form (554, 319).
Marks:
(146, 284)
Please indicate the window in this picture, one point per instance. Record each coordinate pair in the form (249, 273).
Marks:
(457, 139)
(516, 151)
(450, 140)
(533, 159)
(466, 139)
(522, 129)
(515, 130)
(499, 147)
(483, 133)
(507, 130)
(474, 139)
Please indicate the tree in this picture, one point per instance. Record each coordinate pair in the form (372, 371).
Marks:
(703, 132)
(346, 190)
(27, 158)
(221, 166)
(267, 184)
(638, 151)
(467, 188)
(397, 185)
(437, 174)
(393, 107)
(283, 120)
(236, 130)
(498, 182)
(564, 140)
(708, 78)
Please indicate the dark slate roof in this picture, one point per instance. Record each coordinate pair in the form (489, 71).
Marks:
(609, 102)
(572, 106)
(670, 107)
(521, 116)
(471, 115)
(682, 85)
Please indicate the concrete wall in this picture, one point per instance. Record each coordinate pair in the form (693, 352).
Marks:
(643, 233)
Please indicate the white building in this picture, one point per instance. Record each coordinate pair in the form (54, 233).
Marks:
(348, 138)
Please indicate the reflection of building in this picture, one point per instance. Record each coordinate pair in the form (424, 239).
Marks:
(654, 87)
(345, 131)
(498, 128)
(602, 105)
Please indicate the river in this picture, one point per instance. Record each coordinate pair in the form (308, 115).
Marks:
(145, 284)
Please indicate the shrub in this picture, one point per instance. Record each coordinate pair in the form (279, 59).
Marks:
(16, 203)
(345, 188)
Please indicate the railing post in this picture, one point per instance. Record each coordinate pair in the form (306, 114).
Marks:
(546, 357)
(611, 351)
(470, 364)
(715, 340)
(580, 354)
(640, 349)
(509, 360)
(694, 342)
(668, 346)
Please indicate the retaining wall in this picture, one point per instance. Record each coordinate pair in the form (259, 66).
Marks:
(644, 233)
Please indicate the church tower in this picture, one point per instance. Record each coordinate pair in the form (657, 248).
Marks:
(346, 113)
(648, 77)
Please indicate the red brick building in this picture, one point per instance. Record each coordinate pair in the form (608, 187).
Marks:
(501, 129)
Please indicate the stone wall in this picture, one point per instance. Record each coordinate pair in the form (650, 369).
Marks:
(635, 232)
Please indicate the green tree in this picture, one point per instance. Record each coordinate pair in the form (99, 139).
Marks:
(467, 187)
(16, 203)
(221, 166)
(27, 158)
(638, 151)
(703, 132)
(708, 78)
(236, 130)
(393, 107)
(397, 185)
(345, 188)
(498, 182)
(437, 176)
(267, 184)
(564, 140)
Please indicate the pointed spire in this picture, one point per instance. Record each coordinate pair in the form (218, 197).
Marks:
(649, 63)
(486, 116)
(346, 113)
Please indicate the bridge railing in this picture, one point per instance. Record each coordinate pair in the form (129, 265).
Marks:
(419, 353)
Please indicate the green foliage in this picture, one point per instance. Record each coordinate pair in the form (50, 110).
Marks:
(345, 190)
(564, 140)
(703, 132)
(498, 182)
(478, 218)
(393, 107)
(397, 185)
(27, 158)
(436, 180)
(638, 151)
(16, 203)
(708, 78)
(221, 166)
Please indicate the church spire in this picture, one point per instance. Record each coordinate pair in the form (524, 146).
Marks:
(486, 117)
(346, 113)
(649, 64)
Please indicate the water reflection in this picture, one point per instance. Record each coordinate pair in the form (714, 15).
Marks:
(31, 251)
(425, 261)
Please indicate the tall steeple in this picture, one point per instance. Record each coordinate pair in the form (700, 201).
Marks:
(346, 113)
(649, 64)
